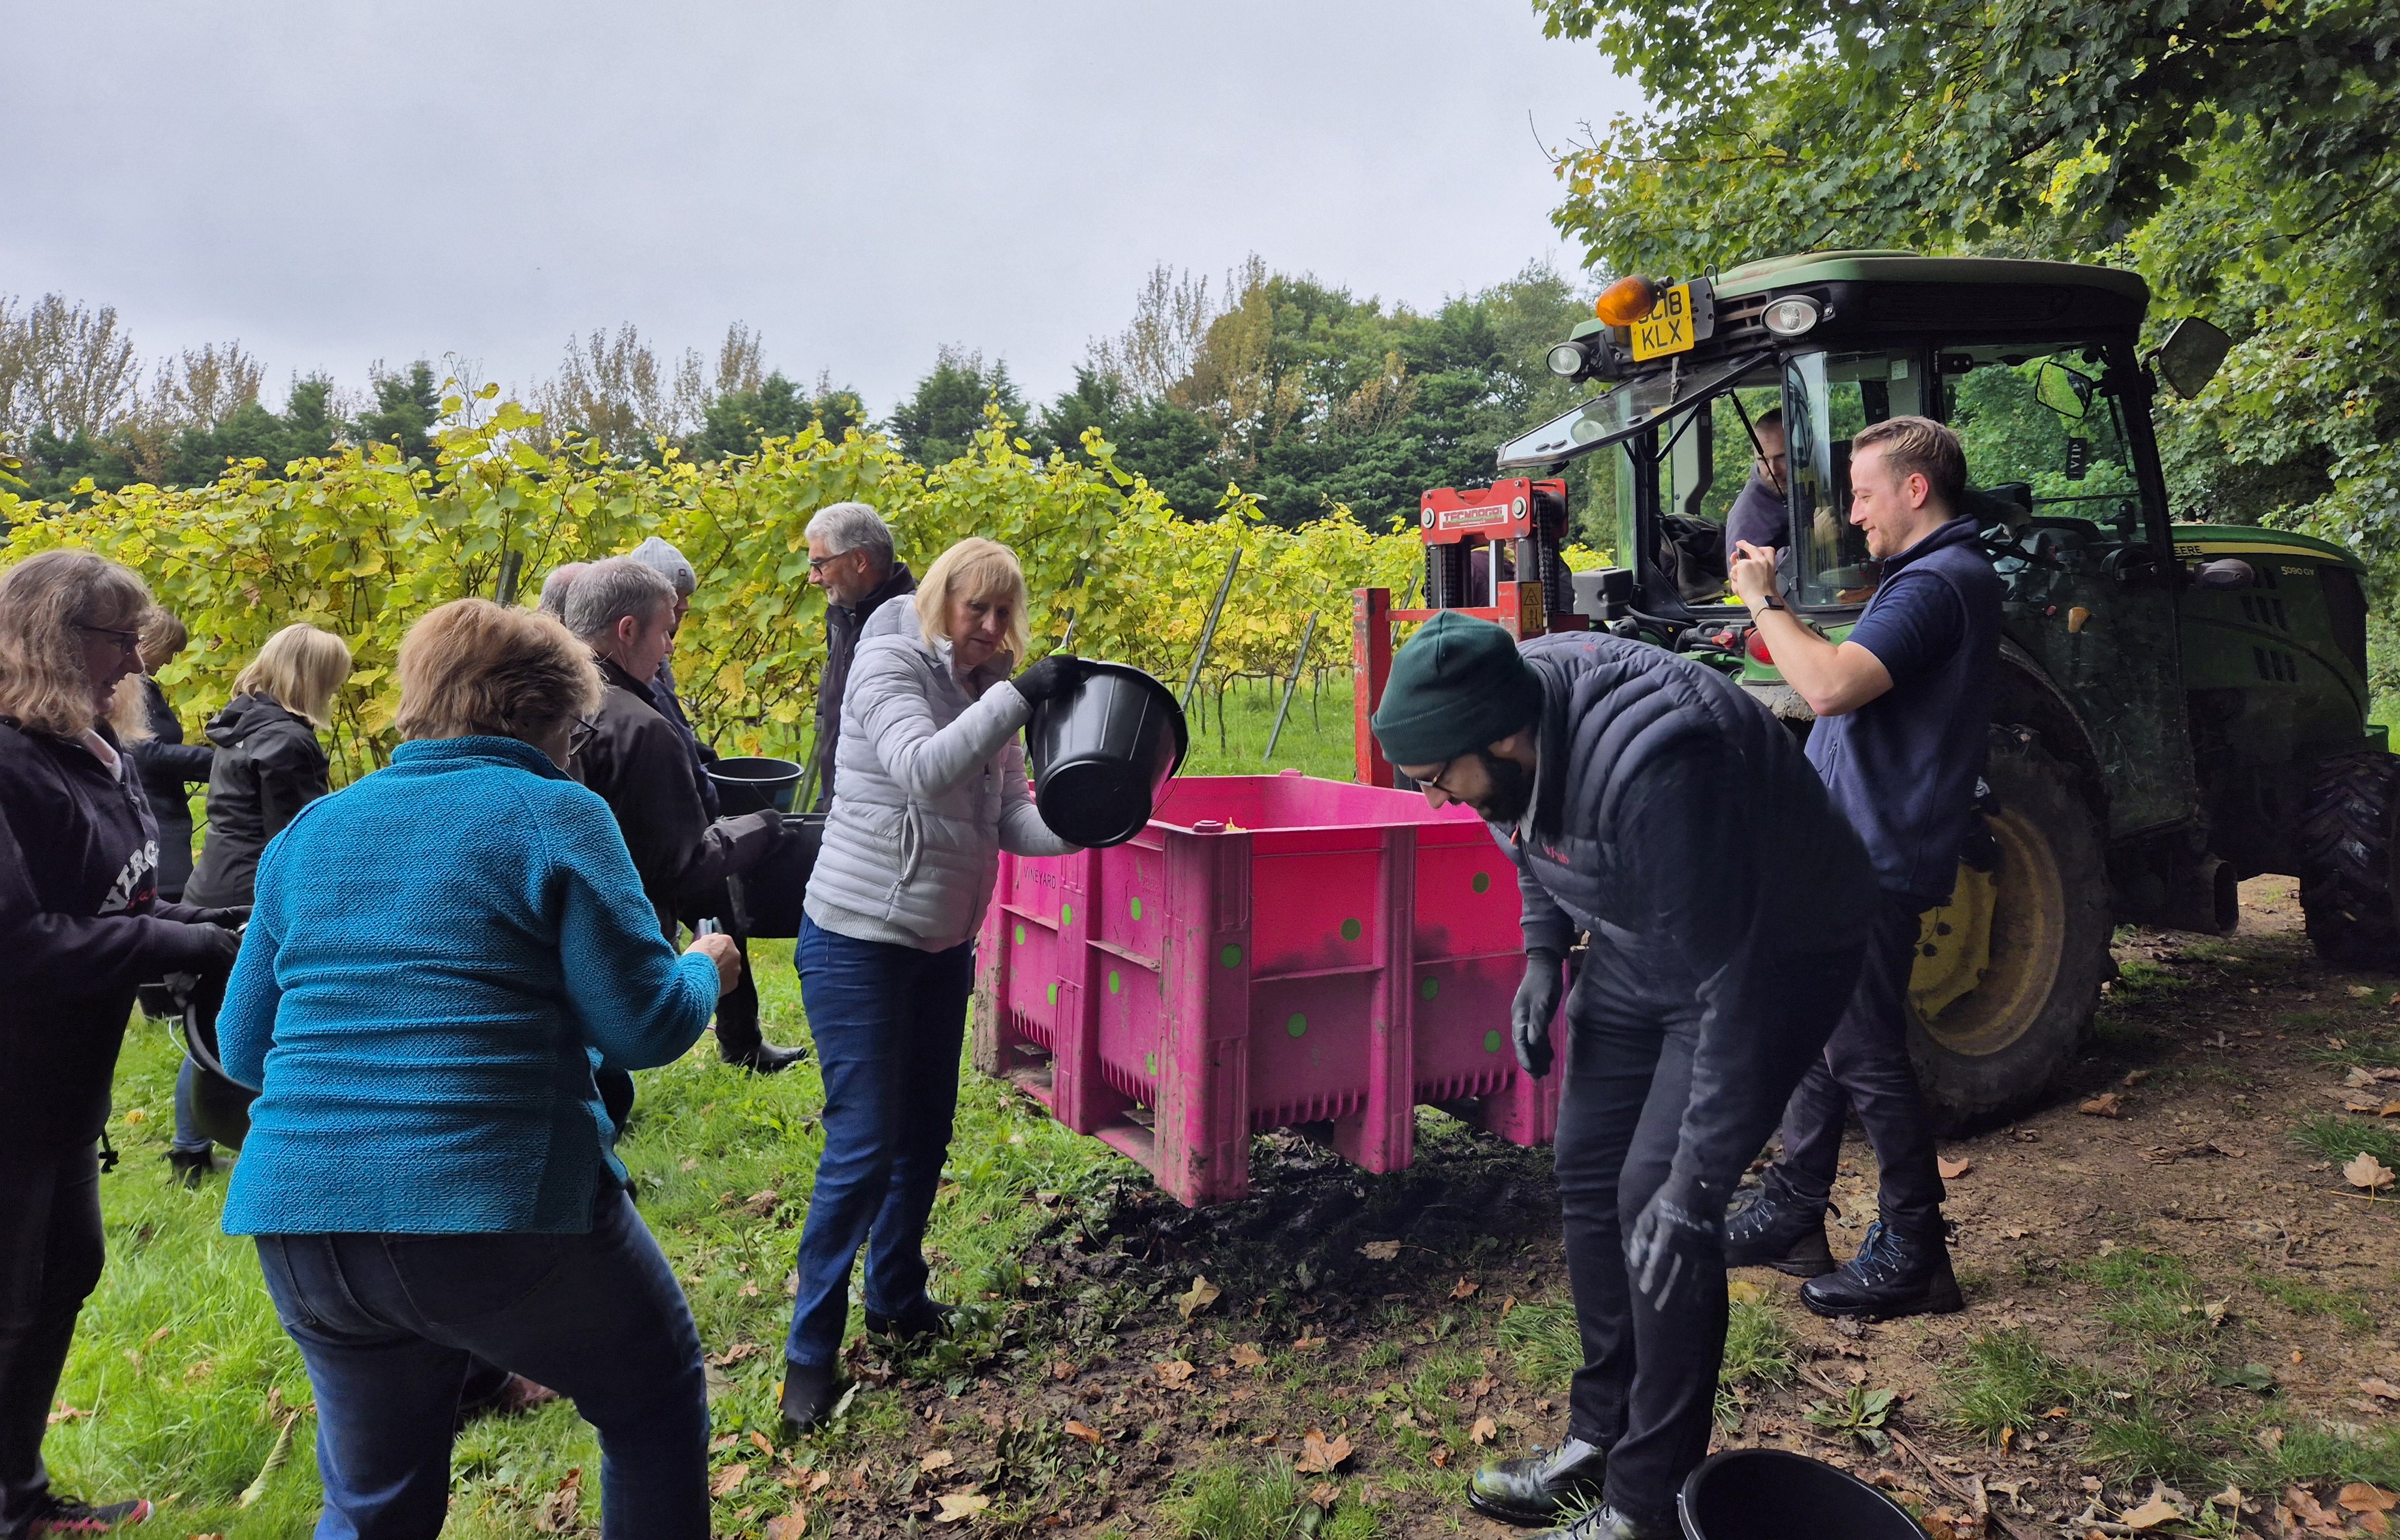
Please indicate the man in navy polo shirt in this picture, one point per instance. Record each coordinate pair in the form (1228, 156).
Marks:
(1902, 708)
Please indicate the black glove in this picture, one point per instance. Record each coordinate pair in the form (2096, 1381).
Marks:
(1053, 675)
(1680, 1228)
(214, 947)
(1537, 1001)
(232, 916)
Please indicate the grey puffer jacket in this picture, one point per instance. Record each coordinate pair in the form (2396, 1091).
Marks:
(931, 788)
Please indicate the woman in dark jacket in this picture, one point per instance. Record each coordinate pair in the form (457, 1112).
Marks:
(168, 765)
(81, 926)
(267, 766)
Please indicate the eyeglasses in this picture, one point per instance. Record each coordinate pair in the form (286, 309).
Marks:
(128, 642)
(582, 734)
(818, 563)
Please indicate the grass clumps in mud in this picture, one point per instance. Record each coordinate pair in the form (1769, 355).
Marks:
(2330, 1136)
(2006, 1380)
(1231, 1501)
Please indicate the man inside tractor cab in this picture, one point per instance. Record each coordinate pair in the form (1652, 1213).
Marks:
(1902, 708)
(1646, 802)
(1761, 515)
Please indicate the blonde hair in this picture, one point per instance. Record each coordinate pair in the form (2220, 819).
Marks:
(299, 669)
(163, 635)
(472, 668)
(977, 568)
(43, 599)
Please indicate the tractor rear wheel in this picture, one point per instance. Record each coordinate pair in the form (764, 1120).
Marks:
(2350, 833)
(2007, 972)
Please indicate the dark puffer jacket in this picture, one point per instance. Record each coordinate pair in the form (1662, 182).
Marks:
(81, 928)
(167, 766)
(269, 767)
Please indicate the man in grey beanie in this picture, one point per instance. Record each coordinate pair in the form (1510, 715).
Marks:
(1649, 804)
(739, 1038)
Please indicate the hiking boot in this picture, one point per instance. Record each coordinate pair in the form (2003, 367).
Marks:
(1605, 1522)
(1894, 1274)
(807, 1397)
(924, 1319)
(1768, 1227)
(191, 1166)
(1542, 1488)
(58, 1515)
(763, 1057)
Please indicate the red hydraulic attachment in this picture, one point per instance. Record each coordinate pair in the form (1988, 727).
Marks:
(1492, 551)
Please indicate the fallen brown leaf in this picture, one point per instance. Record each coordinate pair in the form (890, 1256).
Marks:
(1953, 1169)
(2108, 1104)
(2166, 1506)
(1463, 1289)
(2362, 1497)
(735, 1354)
(2307, 1510)
(1084, 1431)
(728, 1478)
(762, 1204)
(1307, 1343)
(936, 1459)
(957, 1506)
(1379, 1252)
(1175, 1374)
(557, 1510)
(1320, 1456)
(789, 1526)
(66, 1413)
(1324, 1495)
(1441, 1456)
(2381, 1388)
(1247, 1355)
(765, 1445)
(1483, 1432)
(1199, 1297)
(2365, 1171)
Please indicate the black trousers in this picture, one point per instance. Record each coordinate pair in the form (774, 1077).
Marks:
(737, 1010)
(1865, 1064)
(1647, 1387)
(50, 1261)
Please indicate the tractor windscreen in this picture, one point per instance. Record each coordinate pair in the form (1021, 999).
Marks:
(2042, 429)
(1626, 410)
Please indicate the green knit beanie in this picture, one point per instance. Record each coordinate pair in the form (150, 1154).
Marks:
(1456, 686)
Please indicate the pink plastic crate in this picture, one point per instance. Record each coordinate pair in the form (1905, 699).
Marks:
(1270, 950)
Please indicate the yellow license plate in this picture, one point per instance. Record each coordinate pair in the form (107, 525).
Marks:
(1667, 328)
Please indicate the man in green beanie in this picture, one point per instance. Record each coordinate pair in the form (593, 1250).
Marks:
(1653, 809)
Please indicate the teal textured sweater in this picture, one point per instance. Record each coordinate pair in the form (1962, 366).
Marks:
(441, 954)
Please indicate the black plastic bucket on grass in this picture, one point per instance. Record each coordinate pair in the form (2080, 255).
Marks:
(1101, 751)
(1742, 1493)
(767, 896)
(754, 785)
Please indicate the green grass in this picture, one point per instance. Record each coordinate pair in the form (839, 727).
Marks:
(2005, 1380)
(1227, 1501)
(1233, 741)
(2307, 1298)
(184, 1374)
(2330, 1136)
(1543, 1339)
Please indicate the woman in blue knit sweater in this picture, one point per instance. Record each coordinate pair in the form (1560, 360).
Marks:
(440, 957)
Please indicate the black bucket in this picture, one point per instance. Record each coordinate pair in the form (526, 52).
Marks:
(1101, 750)
(754, 785)
(1741, 1492)
(220, 1106)
(767, 897)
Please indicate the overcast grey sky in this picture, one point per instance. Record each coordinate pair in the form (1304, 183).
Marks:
(339, 183)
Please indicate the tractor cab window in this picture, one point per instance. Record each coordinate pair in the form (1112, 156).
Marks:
(1708, 460)
(1828, 397)
(2044, 434)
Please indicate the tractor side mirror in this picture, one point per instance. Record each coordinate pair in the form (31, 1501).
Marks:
(2191, 357)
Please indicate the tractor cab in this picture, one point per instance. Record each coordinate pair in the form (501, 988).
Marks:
(2178, 707)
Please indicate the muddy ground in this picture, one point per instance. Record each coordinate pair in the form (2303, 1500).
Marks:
(2167, 1289)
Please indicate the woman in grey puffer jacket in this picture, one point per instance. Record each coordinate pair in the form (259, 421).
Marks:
(931, 788)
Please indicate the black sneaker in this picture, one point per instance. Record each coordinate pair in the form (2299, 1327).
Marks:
(66, 1516)
(1605, 1522)
(764, 1058)
(809, 1397)
(191, 1166)
(1768, 1227)
(1543, 1487)
(1893, 1275)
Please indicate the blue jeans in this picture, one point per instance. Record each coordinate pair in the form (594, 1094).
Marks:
(189, 1141)
(390, 1325)
(888, 1022)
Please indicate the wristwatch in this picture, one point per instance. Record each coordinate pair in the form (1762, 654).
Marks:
(1774, 601)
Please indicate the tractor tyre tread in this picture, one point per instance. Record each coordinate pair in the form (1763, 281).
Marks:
(2350, 833)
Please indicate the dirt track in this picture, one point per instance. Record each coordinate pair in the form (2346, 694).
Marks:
(2176, 1286)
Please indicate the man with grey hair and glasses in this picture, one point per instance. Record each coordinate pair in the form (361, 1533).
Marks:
(628, 753)
(850, 558)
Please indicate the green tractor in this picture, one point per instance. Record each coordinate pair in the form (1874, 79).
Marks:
(2181, 706)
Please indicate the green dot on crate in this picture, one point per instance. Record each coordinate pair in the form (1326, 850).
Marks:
(1116, 985)
(1020, 935)
(1297, 1025)
(1491, 1043)
(1066, 914)
(1054, 994)
(1428, 988)
(1482, 882)
(1349, 929)
(1150, 1064)
(1136, 908)
(1231, 956)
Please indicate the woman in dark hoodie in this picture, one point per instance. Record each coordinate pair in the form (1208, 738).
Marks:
(267, 766)
(81, 926)
(169, 766)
